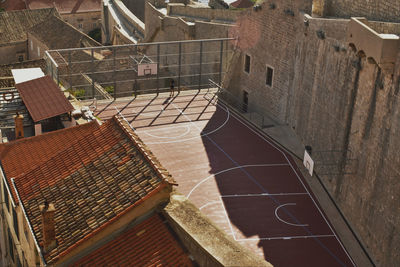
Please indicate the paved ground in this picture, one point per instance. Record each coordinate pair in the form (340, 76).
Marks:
(243, 182)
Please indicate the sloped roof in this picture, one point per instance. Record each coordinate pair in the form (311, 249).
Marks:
(14, 24)
(5, 69)
(43, 98)
(91, 182)
(66, 6)
(149, 243)
(242, 4)
(57, 34)
(20, 156)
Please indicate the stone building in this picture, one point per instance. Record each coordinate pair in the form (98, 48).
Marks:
(13, 27)
(54, 33)
(95, 195)
(84, 15)
(335, 81)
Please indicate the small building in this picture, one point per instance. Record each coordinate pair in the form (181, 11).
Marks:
(13, 27)
(47, 106)
(84, 15)
(54, 33)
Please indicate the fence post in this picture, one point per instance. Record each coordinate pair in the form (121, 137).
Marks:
(201, 58)
(158, 68)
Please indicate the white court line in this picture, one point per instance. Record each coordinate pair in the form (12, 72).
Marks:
(191, 122)
(230, 169)
(166, 128)
(279, 218)
(210, 203)
(298, 177)
(282, 237)
(227, 218)
(265, 194)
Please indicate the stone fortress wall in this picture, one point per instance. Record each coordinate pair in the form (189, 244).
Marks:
(338, 99)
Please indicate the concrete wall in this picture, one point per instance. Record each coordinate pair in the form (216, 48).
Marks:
(9, 53)
(383, 10)
(339, 102)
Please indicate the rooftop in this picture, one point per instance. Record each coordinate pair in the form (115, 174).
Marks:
(66, 6)
(149, 243)
(13, 24)
(242, 4)
(43, 98)
(20, 156)
(48, 32)
(93, 181)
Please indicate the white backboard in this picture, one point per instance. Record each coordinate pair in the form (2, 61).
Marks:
(147, 69)
(308, 163)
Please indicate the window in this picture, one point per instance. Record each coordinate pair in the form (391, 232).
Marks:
(6, 199)
(15, 221)
(269, 76)
(31, 45)
(20, 58)
(38, 51)
(247, 64)
(80, 26)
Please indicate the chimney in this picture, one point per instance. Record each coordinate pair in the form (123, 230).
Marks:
(19, 126)
(48, 226)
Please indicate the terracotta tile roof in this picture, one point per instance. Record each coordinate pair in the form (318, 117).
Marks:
(48, 32)
(149, 243)
(242, 4)
(22, 155)
(14, 24)
(43, 98)
(92, 182)
(66, 6)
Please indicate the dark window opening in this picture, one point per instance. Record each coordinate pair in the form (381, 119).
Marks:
(6, 200)
(20, 58)
(270, 74)
(247, 64)
(15, 221)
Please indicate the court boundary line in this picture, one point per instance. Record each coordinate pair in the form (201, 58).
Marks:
(265, 194)
(230, 169)
(291, 166)
(284, 154)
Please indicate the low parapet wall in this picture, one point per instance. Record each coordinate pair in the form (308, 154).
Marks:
(209, 245)
(202, 13)
(383, 48)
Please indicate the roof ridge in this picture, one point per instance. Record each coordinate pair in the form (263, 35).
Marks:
(139, 144)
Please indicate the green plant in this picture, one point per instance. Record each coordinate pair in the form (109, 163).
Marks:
(109, 89)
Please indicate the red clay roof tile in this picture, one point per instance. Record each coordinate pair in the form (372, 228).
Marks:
(150, 243)
(43, 98)
(22, 155)
(90, 183)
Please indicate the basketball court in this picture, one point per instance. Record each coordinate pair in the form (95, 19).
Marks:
(244, 183)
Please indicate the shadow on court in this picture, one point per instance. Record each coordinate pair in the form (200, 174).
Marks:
(265, 200)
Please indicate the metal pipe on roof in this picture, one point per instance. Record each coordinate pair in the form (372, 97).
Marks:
(29, 223)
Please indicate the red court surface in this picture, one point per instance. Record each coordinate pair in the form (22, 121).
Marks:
(243, 182)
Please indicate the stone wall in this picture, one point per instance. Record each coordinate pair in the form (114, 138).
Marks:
(337, 101)
(9, 52)
(35, 47)
(136, 7)
(197, 12)
(382, 10)
(85, 21)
